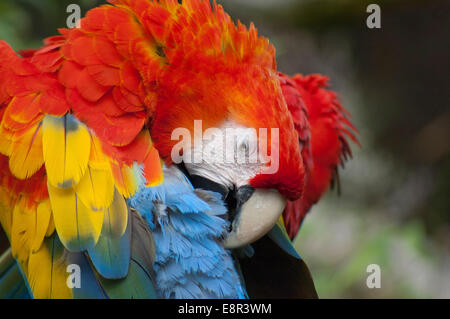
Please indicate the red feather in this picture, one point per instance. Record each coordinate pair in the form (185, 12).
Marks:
(325, 145)
(118, 131)
(83, 51)
(90, 89)
(104, 75)
(108, 106)
(69, 74)
(107, 52)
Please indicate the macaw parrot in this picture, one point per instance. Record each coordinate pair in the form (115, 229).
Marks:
(88, 180)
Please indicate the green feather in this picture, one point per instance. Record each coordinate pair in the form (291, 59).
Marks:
(280, 236)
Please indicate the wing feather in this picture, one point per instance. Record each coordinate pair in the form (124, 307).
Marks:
(26, 153)
(111, 255)
(66, 148)
(47, 274)
(140, 281)
(78, 226)
(43, 220)
(96, 188)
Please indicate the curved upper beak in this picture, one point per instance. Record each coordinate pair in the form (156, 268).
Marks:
(257, 212)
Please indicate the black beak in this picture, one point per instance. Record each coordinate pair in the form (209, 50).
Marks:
(236, 199)
(252, 212)
(243, 194)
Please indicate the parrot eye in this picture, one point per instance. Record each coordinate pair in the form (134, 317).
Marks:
(244, 147)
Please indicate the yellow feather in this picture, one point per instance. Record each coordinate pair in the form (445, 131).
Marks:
(77, 226)
(66, 145)
(116, 216)
(96, 188)
(26, 154)
(46, 273)
(127, 179)
(97, 158)
(51, 227)
(23, 230)
(5, 141)
(6, 210)
(43, 214)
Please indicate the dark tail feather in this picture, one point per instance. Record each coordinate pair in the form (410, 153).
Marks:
(272, 273)
(12, 285)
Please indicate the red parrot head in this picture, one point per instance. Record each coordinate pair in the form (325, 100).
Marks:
(218, 89)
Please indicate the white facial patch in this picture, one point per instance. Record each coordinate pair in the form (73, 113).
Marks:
(227, 155)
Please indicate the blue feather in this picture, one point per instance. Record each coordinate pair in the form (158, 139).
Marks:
(111, 255)
(190, 260)
(90, 287)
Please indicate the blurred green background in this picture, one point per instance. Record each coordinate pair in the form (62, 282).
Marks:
(394, 209)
